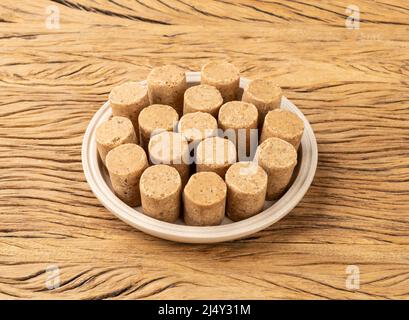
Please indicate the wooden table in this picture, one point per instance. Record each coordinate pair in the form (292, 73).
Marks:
(352, 84)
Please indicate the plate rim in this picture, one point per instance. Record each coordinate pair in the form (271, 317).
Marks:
(194, 234)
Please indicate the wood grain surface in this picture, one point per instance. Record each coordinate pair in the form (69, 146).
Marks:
(351, 84)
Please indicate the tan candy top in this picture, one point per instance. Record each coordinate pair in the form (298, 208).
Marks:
(127, 93)
(276, 153)
(205, 188)
(216, 150)
(160, 181)
(197, 126)
(264, 90)
(284, 123)
(169, 148)
(166, 75)
(158, 116)
(114, 131)
(238, 114)
(246, 177)
(220, 72)
(204, 97)
(126, 159)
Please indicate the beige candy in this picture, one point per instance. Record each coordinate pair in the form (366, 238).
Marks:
(215, 154)
(246, 190)
(112, 133)
(236, 115)
(197, 126)
(125, 165)
(205, 199)
(204, 98)
(278, 158)
(167, 85)
(154, 119)
(127, 100)
(283, 124)
(224, 76)
(171, 148)
(161, 189)
(265, 95)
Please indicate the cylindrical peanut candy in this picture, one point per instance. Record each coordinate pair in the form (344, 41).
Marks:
(246, 190)
(167, 85)
(125, 165)
(204, 98)
(197, 126)
(241, 117)
(265, 95)
(278, 158)
(204, 199)
(171, 148)
(127, 100)
(224, 76)
(155, 119)
(112, 133)
(161, 188)
(215, 154)
(285, 125)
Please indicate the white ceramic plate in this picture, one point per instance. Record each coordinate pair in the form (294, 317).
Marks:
(98, 180)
